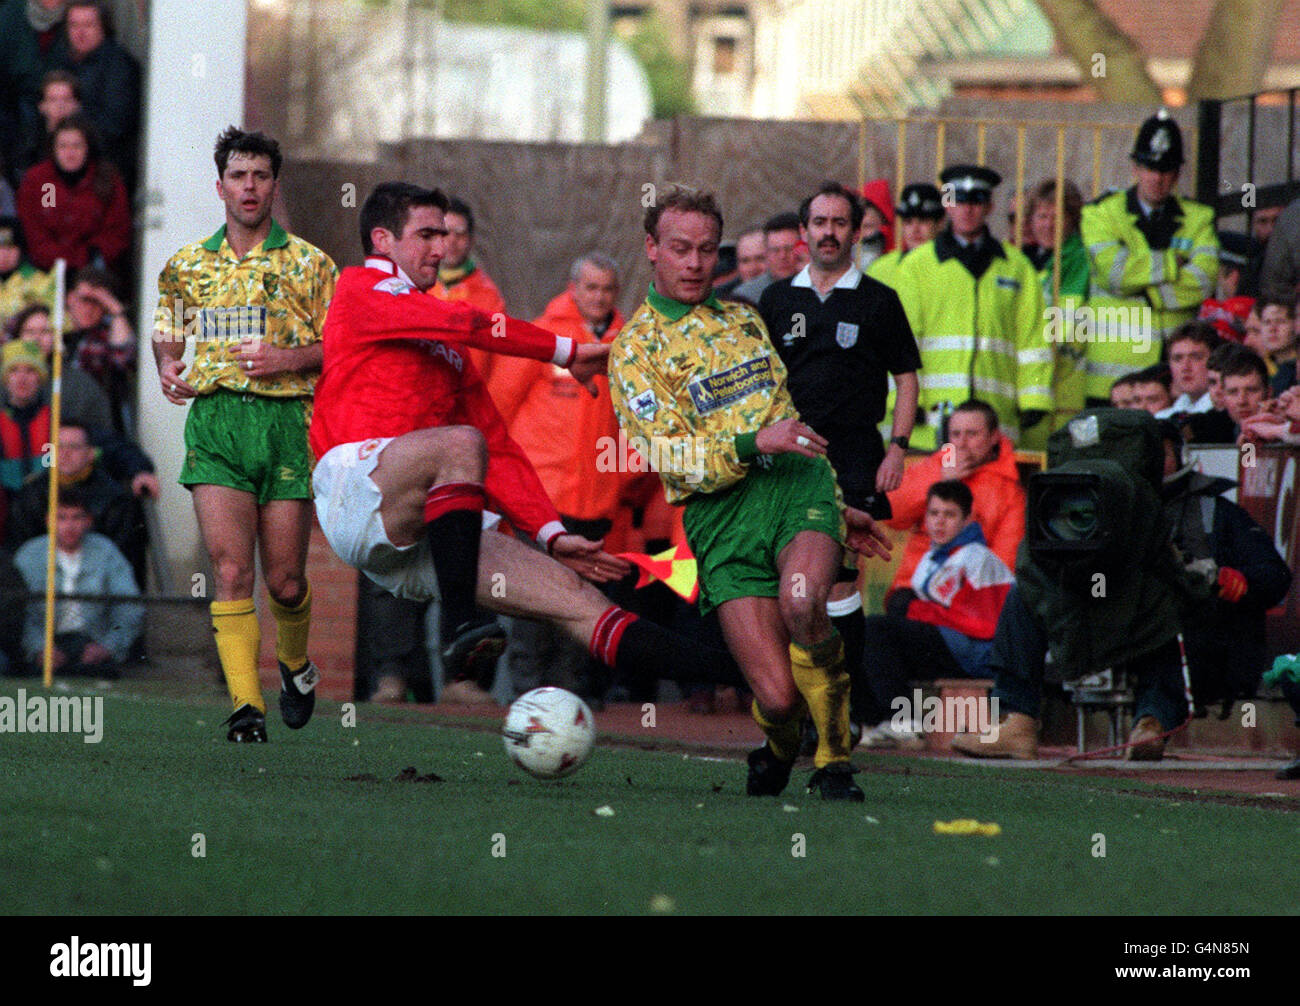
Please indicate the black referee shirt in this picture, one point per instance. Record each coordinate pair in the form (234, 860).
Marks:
(838, 352)
(849, 342)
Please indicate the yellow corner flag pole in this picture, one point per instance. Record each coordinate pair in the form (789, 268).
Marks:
(52, 511)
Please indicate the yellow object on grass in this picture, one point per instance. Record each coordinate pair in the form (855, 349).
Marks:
(966, 826)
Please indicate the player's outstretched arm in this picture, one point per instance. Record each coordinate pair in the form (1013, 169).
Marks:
(257, 358)
(388, 310)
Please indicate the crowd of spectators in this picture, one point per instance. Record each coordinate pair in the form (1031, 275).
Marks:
(70, 111)
(1206, 353)
(1211, 349)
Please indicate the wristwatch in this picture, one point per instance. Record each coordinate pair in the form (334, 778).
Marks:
(903, 442)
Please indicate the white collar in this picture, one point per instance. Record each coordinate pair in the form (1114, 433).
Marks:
(1184, 404)
(387, 265)
(848, 281)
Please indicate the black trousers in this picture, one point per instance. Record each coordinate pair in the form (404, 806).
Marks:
(897, 651)
(390, 642)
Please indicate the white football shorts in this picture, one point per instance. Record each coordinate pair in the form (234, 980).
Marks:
(347, 505)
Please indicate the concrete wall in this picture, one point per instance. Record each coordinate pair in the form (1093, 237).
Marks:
(194, 89)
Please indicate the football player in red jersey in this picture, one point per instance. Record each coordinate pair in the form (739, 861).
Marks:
(412, 455)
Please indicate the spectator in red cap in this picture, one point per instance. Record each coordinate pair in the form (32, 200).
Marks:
(1228, 316)
(877, 235)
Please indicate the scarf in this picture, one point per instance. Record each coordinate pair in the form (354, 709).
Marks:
(451, 275)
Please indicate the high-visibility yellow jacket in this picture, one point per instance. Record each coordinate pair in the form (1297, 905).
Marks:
(1148, 277)
(1065, 316)
(977, 314)
(885, 268)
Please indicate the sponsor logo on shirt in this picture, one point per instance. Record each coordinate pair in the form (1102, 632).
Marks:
(233, 324)
(717, 391)
(450, 355)
(1007, 283)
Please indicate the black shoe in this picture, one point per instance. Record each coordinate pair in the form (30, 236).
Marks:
(247, 726)
(298, 694)
(1291, 771)
(767, 775)
(472, 654)
(835, 782)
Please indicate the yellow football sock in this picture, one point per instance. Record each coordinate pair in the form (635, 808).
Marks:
(823, 682)
(783, 738)
(239, 638)
(291, 628)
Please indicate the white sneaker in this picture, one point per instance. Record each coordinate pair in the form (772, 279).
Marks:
(885, 736)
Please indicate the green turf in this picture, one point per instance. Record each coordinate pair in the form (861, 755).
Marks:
(109, 828)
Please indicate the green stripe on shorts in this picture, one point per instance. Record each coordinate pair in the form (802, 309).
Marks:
(254, 443)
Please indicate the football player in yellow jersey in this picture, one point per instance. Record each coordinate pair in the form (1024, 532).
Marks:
(699, 380)
(254, 299)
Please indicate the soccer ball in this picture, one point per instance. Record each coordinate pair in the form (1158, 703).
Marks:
(549, 732)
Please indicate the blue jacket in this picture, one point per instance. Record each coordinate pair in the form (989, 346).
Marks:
(115, 625)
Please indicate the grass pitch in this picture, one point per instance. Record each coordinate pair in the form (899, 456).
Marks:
(315, 823)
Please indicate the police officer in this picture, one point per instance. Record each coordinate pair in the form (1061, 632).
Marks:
(1153, 255)
(920, 215)
(976, 309)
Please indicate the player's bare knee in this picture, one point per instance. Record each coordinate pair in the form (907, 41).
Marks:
(777, 700)
(800, 612)
(234, 579)
(288, 587)
(463, 446)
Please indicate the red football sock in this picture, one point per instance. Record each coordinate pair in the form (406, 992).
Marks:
(608, 634)
(449, 496)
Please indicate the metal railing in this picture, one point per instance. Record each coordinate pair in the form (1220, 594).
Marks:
(1212, 117)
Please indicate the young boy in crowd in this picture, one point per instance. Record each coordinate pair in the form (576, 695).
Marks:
(1215, 426)
(1123, 393)
(1278, 335)
(959, 589)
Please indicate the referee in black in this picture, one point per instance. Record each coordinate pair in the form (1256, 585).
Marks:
(839, 334)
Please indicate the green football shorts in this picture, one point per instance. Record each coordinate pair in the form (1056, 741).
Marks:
(737, 534)
(253, 443)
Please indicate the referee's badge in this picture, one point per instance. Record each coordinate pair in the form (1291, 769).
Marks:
(846, 335)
